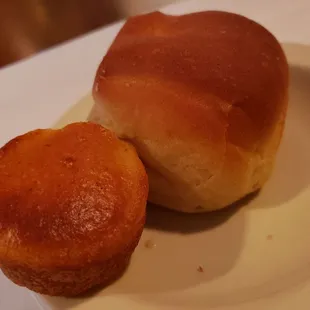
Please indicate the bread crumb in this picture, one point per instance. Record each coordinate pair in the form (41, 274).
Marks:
(269, 237)
(200, 268)
(149, 244)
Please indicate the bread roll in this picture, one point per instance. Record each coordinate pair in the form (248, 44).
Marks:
(72, 208)
(202, 97)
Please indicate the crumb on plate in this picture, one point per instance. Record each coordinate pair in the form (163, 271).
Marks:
(149, 244)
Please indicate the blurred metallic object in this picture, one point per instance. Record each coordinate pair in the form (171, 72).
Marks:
(28, 26)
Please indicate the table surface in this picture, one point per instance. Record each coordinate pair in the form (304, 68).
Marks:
(49, 83)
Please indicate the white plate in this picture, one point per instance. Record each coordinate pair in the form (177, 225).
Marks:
(256, 256)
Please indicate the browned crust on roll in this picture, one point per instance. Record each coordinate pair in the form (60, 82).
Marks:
(72, 201)
(225, 55)
(210, 88)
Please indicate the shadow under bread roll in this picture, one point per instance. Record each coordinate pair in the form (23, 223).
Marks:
(202, 97)
(72, 208)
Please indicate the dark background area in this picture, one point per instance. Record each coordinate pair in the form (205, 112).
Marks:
(28, 26)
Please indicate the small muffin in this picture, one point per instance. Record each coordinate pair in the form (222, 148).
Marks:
(72, 208)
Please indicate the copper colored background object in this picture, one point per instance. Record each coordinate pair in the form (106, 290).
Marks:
(29, 26)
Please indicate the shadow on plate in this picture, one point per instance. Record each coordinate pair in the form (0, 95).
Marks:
(188, 250)
(174, 263)
(291, 174)
(163, 219)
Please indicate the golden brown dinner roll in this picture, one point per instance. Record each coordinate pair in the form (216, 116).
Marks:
(202, 97)
(72, 208)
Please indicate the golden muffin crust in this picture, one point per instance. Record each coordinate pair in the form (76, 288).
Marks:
(72, 206)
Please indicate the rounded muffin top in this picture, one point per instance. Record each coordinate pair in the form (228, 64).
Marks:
(73, 192)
